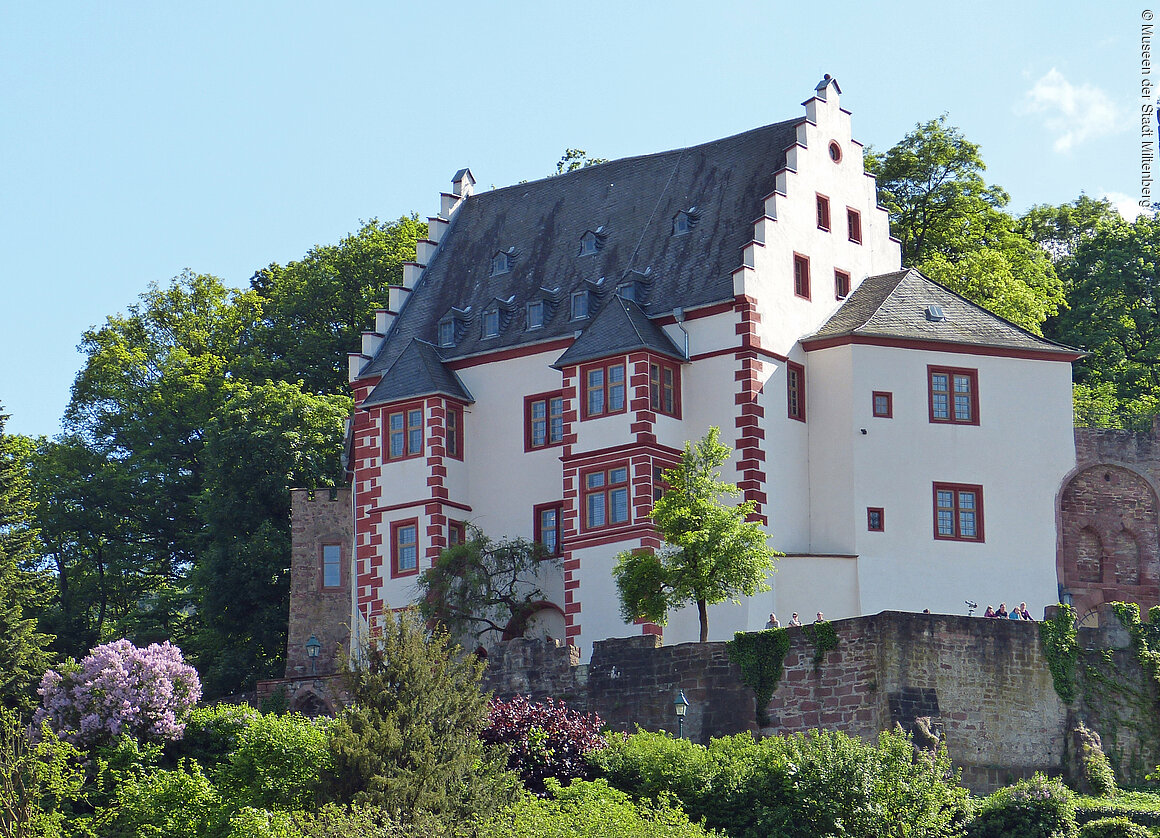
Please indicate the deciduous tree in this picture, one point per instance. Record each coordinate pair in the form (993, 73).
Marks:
(712, 552)
(484, 586)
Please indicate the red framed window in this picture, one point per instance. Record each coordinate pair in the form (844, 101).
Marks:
(882, 404)
(546, 526)
(543, 420)
(331, 556)
(664, 388)
(456, 533)
(958, 512)
(604, 389)
(854, 225)
(841, 285)
(405, 547)
(795, 391)
(453, 431)
(801, 276)
(823, 213)
(954, 395)
(875, 519)
(404, 432)
(605, 497)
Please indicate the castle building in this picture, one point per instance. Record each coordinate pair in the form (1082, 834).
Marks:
(557, 342)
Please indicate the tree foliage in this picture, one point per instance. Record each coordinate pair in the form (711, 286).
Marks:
(24, 652)
(409, 742)
(315, 309)
(484, 586)
(576, 158)
(712, 553)
(544, 739)
(952, 225)
(1114, 310)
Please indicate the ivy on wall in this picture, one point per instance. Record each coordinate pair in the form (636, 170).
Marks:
(1062, 651)
(1145, 636)
(761, 656)
(825, 638)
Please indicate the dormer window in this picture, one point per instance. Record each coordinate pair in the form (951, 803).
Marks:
(447, 333)
(501, 263)
(589, 244)
(536, 315)
(627, 291)
(684, 221)
(579, 305)
(491, 323)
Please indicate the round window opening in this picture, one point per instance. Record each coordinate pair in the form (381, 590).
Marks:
(835, 152)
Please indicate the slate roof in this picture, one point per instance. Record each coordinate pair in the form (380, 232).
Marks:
(621, 326)
(894, 305)
(630, 205)
(418, 371)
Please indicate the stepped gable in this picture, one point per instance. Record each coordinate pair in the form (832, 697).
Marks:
(418, 371)
(629, 206)
(620, 327)
(895, 306)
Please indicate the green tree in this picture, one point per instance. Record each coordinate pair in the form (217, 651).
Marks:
(24, 654)
(576, 158)
(484, 586)
(263, 440)
(39, 782)
(713, 552)
(952, 226)
(316, 309)
(1060, 229)
(1114, 311)
(409, 742)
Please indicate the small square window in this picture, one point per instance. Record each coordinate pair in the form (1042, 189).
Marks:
(604, 389)
(883, 404)
(801, 276)
(605, 498)
(536, 315)
(841, 285)
(875, 519)
(500, 264)
(579, 305)
(681, 224)
(447, 333)
(404, 433)
(589, 244)
(456, 533)
(491, 323)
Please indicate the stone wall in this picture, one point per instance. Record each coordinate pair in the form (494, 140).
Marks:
(985, 684)
(1108, 530)
(318, 518)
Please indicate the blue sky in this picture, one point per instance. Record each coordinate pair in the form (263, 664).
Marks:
(140, 139)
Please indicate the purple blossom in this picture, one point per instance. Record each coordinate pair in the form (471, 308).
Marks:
(118, 688)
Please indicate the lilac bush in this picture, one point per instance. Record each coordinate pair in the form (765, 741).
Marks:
(120, 689)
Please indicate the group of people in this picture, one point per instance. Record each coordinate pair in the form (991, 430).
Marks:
(793, 621)
(1020, 613)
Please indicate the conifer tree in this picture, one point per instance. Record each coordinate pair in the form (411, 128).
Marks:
(23, 648)
(409, 742)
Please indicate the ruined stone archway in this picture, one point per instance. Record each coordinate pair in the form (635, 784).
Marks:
(1110, 538)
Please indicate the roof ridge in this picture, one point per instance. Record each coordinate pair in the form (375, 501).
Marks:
(632, 158)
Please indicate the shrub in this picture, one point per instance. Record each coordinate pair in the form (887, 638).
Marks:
(276, 763)
(589, 810)
(814, 784)
(1114, 828)
(1035, 808)
(120, 689)
(211, 733)
(546, 739)
(167, 804)
(37, 780)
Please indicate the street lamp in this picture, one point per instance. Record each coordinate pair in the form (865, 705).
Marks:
(313, 647)
(681, 706)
